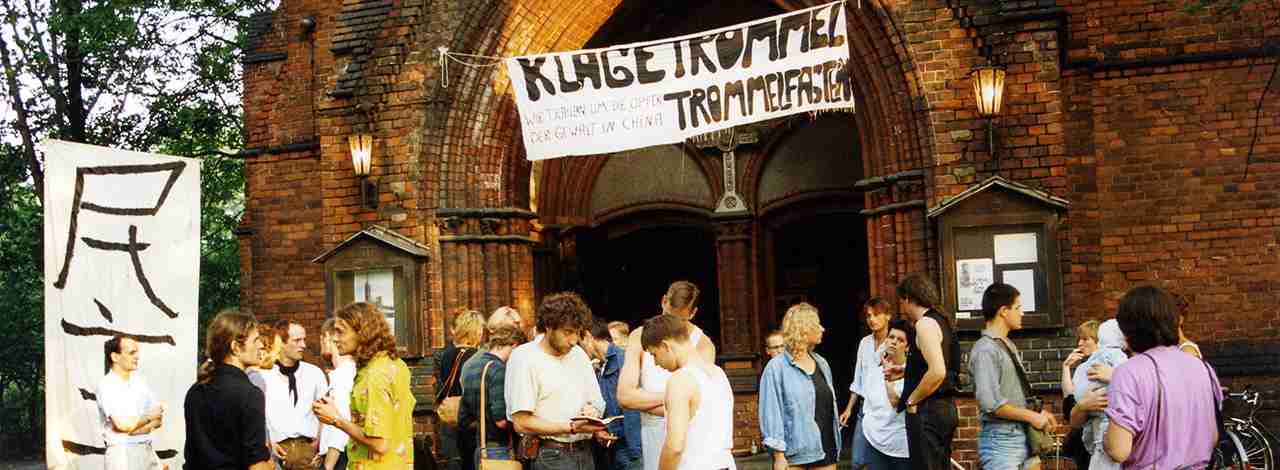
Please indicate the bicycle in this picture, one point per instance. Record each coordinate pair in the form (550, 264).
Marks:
(1247, 445)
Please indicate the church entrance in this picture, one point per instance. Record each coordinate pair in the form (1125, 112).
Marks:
(626, 267)
(819, 256)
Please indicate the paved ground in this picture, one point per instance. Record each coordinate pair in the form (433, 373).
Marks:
(756, 462)
(761, 462)
(28, 465)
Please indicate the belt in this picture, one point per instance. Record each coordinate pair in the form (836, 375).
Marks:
(584, 444)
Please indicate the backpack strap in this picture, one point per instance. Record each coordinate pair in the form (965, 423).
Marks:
(483, 384)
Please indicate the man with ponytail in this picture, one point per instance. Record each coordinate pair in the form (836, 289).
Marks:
(226, 423)
(643, 384)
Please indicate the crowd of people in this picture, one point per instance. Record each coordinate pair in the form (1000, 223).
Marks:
(575, 392)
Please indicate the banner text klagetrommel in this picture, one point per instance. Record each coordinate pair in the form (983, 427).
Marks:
(619, 98)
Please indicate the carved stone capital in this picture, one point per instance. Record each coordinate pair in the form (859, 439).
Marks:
(733, 228)
(448, 224)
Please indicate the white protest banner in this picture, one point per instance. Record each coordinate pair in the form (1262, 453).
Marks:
(644, 94)
(121, 256)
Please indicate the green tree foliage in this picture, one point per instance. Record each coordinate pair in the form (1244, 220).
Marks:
(21, 307)
(151, 75)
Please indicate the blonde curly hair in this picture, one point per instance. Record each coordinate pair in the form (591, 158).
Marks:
(798, 325)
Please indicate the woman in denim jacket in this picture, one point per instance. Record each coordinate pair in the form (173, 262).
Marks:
(798, 418)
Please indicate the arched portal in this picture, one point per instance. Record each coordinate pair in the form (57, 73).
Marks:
(813, 238)
(479, 128)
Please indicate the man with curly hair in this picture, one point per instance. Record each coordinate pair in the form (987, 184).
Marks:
(549, 382)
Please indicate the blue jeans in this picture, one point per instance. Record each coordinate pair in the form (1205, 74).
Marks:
(860, 447)
(877, 460)
(564, 459)
(1003, 446)
(493, 452)
(623, 460)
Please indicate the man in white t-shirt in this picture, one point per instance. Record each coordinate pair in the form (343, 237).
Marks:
(333, 441)
(884, 428)
(293, 385)
(128, 409)
(549, 382)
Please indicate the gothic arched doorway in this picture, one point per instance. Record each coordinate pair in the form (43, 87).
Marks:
(626, 266)
(814, 238)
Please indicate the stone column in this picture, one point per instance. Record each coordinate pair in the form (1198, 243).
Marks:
(735, 274)
(486, 259)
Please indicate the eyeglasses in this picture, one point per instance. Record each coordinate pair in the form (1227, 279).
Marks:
(772, 347)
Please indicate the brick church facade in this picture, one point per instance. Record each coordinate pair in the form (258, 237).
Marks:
(1139, 142)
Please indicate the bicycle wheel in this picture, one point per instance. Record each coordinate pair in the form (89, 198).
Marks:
(1229, 454)
(1257, 447)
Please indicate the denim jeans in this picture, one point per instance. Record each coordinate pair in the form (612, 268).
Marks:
(877, 460)
(564, 459)
(860, 447)
(492, 452)
(1003, 446)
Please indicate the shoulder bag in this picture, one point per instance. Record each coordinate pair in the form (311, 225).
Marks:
(447, 407)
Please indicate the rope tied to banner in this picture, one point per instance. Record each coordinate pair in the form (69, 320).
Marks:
(445, 56)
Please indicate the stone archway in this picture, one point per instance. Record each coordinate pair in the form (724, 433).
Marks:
(477, 127)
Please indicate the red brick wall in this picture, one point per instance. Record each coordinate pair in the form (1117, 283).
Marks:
(1150, 154)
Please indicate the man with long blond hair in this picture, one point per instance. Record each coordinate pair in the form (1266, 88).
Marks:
(381, 424)
(797, 411)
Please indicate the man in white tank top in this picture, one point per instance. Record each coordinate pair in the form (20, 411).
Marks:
(698, 400)
(642, 385)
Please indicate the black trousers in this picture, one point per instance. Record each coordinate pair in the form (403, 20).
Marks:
(929, 434)
(467, 442)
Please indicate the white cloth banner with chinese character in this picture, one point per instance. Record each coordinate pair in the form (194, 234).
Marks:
(660, 92)
(121, 256)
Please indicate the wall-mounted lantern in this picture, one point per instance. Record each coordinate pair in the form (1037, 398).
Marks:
(988, 91)
(361, 161)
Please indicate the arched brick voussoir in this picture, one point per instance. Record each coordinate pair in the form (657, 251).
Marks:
(875, 32)
(476, 122)
(480, 126)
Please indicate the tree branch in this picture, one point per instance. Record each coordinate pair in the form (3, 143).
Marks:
(24, 128)
(77, 119)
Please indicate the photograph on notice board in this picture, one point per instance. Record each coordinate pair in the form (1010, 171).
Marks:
(972, 278)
